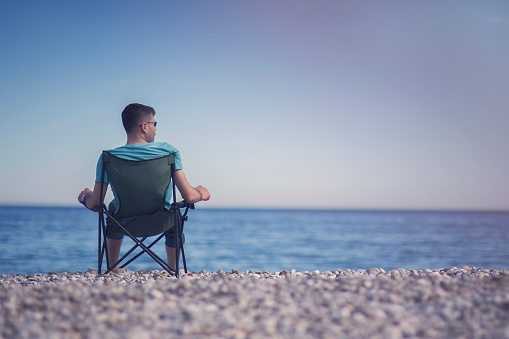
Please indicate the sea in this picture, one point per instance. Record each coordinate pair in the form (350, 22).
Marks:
(48, 239)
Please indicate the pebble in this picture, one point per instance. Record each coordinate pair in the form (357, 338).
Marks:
(460, 302)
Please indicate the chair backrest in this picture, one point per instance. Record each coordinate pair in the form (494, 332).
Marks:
(140, 185)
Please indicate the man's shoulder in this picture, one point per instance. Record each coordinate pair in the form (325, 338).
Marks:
(143, 151)
(161, 147)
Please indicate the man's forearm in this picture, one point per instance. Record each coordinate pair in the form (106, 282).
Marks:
(195, 196)
(189, 193)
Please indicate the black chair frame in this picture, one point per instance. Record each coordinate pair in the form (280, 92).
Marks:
(175, 212)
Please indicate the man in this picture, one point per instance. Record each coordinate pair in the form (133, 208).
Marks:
(140, 126)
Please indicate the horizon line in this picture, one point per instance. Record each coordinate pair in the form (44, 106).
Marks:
(297, 208)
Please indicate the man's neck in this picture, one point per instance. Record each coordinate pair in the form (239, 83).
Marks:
(135, 139)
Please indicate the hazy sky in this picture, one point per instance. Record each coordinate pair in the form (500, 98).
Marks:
(326, 104)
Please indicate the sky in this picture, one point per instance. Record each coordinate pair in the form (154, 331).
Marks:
(272, 104)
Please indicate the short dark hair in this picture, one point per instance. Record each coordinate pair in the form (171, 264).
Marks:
(134, 115)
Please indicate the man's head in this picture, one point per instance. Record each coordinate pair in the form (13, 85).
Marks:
(139, 120)
(136, 114)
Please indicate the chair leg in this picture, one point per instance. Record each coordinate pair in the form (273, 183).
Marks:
(178, 239)
(101, 246)
(182, 220)
(183, 258)
(99, 249)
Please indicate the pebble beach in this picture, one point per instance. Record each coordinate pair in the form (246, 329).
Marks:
(465, 302)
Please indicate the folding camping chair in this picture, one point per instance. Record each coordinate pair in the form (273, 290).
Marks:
(141, 188)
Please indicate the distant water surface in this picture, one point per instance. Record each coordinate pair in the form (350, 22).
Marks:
(45, 239)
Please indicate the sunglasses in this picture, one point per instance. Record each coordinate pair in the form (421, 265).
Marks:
(150, 122)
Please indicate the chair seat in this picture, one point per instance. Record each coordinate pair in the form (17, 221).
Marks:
(143, 225)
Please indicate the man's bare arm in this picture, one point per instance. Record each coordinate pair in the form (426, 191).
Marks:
(92, 198)
(189, 193)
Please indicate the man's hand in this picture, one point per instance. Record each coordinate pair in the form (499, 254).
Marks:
(81, 196)
(90, 198)
(205, 194)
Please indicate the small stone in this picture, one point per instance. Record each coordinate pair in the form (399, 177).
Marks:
(373, 271)
(367, 284)
(156, 294)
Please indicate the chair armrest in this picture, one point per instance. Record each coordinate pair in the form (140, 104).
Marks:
(93, 209)
(183, 204)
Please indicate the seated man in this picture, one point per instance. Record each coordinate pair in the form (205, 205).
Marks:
(140, 126)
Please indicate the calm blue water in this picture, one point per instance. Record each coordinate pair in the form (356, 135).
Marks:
(41, 240)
